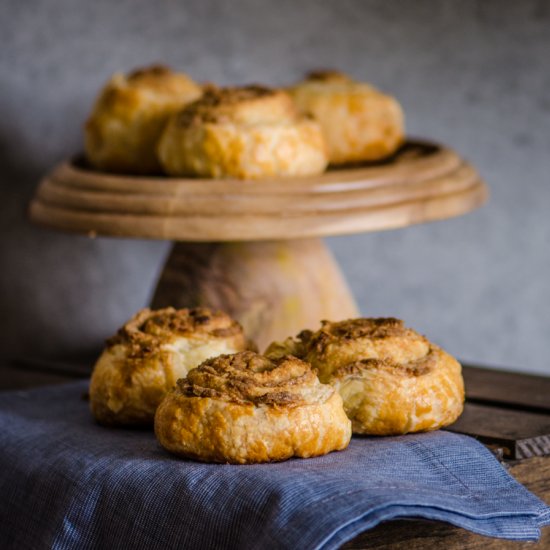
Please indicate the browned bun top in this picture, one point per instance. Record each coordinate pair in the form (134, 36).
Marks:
(327, 75)
(215, 96)
(160, 80)
(385, 340)
(152, 72)
(149, 329)
(250, 378)
(388, 332)
(246, 104)
(124, 95)
(372, 327)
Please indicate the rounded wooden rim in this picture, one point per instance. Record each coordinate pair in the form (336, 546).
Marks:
(421, 182)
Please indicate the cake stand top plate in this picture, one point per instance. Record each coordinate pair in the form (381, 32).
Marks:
(422, 182)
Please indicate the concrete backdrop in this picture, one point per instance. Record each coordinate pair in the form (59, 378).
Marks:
(473, 74)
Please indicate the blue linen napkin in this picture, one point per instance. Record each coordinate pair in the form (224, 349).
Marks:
(67, 483)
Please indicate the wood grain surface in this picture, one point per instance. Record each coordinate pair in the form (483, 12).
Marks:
(508, 411)
(520, 434)
(509, 389)
(422, 182)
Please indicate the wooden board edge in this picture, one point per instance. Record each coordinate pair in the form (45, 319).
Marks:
(200, 229)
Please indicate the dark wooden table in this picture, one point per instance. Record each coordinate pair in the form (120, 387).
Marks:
(507, 411)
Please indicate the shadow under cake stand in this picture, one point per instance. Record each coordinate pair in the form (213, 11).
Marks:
(253, 248)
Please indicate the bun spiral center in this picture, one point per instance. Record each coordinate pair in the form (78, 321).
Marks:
(249, 378)
(147, 331)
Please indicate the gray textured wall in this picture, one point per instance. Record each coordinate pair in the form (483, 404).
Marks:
(473, 74)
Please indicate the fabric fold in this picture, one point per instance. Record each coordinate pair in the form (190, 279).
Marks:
(69, 483)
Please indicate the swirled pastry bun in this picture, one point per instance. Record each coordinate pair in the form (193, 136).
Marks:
(392, 379)
(249, 132)
(149, 353)
(245, 408)
(359, 122)
(129, 116)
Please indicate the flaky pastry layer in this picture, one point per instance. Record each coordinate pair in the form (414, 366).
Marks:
(392, 380)
(146, 357)
(245, 408)
(126, 122)
(247, 133)
(359, 122)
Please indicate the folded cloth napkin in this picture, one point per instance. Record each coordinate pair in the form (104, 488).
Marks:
(68, 483)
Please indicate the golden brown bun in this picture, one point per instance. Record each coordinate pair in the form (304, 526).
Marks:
(250, 132)
(149, 353)
(359, 122)
(245, 408)
(129, 116)
(392, 380)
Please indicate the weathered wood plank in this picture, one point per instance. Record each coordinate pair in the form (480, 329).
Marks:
(509, 389)
(520, 434)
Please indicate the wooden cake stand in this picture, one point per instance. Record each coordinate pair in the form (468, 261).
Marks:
(253, 248)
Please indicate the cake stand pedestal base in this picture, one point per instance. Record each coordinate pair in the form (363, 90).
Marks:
(273, 288)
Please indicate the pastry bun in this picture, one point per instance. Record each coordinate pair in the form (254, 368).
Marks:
(392, 379)
(245, 408)
(359, 122)
(149, 353)
(129, 116)
(249, 132)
